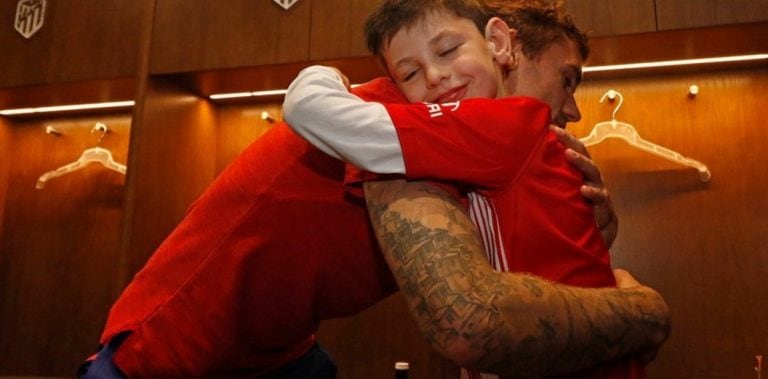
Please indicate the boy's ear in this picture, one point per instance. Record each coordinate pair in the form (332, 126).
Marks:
(499, 37)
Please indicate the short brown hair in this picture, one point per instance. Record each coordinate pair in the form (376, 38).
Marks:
(393, 15)
(538, 22)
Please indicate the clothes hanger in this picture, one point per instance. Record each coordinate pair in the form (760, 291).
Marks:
(622, 130)
(95, 154)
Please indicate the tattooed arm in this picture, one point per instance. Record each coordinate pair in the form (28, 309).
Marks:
(506, 323)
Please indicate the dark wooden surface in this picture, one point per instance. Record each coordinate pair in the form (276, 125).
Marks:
(337, 28)
(615, 17)
(678, 14)
(194, 35)
(80, 39)
(58, 245)
(702, 245)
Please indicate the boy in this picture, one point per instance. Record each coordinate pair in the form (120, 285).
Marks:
(532, 218)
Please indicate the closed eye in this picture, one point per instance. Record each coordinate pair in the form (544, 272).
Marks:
(409, 75)
(449, 51)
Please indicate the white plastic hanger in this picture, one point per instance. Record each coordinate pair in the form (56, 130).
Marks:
(92, 155)
(622, 130)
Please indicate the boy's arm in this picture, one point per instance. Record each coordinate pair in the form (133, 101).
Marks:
(319, 108)
(481, 142)
(506, 323)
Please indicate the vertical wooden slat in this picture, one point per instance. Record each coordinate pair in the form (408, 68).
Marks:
(5, 159)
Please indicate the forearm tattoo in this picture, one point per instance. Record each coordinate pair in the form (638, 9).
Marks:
(511, 323)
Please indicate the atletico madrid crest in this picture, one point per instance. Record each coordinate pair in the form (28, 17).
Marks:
(30, 15)
(286, 3)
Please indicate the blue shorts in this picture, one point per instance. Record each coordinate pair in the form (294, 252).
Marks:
(317, 363)
(103, 367)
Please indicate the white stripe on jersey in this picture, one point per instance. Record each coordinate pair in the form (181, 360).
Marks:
(483, 215)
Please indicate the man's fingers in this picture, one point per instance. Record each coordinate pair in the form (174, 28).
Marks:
(586, 165)
(596, 195)
(569, 140)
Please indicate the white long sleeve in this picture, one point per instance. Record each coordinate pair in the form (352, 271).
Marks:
(319, 108)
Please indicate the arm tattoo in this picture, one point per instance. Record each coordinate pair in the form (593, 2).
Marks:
(510, 323)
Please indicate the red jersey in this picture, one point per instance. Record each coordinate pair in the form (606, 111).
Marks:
(272, 247)
(527, 206)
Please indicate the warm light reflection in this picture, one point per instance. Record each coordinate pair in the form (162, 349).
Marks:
(67, 108)
(678, 62)
(235, 95)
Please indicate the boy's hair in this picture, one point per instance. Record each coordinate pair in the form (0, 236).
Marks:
(538, 22)
(393, 15)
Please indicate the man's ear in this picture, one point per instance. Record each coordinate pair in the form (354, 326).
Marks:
(499, 37)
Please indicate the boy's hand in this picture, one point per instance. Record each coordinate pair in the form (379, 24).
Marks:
(343, 77)
(594, 189)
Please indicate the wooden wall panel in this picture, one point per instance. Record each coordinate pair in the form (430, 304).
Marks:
(701, 245)
(23, 61)
(58, 246)
(239, 126)
(679, 44)
(80, 40)
(601, 18)
(337, 28)
(95, 39)
(192, 35)
(172, 161)
(5, 162)
(677, 14)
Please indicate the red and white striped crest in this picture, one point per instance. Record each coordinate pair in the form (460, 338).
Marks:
(30, 15)
(286, 3)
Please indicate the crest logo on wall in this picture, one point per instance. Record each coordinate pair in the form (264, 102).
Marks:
(286, 3)
(30, 15)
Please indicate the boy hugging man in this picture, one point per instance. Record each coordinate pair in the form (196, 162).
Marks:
(275, 244)
(445, 57)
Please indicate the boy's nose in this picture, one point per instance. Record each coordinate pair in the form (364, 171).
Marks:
(435, 75)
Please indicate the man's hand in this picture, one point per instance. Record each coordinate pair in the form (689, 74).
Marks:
(594, 189)
(625, 281)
